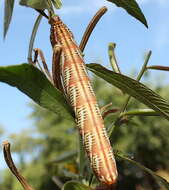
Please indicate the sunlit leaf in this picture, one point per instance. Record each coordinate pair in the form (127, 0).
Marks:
(57, 3)
(74, 185)
(34, 83)
(133, 88)
(162, 182)
(132, 8)
(9, 5)
(36, 4)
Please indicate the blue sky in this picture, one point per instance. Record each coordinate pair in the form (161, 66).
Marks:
(131, 37)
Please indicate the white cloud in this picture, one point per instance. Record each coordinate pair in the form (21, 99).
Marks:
(71, 9)
(93, 5)
(143, 1)
(85, 7)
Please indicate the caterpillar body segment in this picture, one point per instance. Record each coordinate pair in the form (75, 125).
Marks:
(79, 92)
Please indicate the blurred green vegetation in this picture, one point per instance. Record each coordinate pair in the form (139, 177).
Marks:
(47, 153)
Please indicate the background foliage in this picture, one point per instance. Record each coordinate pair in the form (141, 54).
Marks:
(48, 153)
(143, 138)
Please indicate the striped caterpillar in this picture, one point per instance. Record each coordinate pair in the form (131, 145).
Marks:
(77, 88)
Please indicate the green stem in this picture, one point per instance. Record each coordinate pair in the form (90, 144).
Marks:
(81, 158)
(32, 39)
(91, 179)
(144, 68)
(114, 129)
(118, 122)
(141, 112)
(144, 65)
(50, 10)
(112, 57)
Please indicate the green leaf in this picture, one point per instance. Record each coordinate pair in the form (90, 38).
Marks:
(132, 8)
(9, 5)
(34, 83)
(162, 182)
(74, 185)
(57, 3)
(36, 4)
(133, 88)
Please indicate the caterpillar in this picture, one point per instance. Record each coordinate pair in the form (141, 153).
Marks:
(79, 93)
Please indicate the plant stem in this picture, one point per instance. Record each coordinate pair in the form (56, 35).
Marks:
(12, 167)
(118, 122)
(112, 57)
(32, 39)
(90, 27)
(144, 67)
(81, 158)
